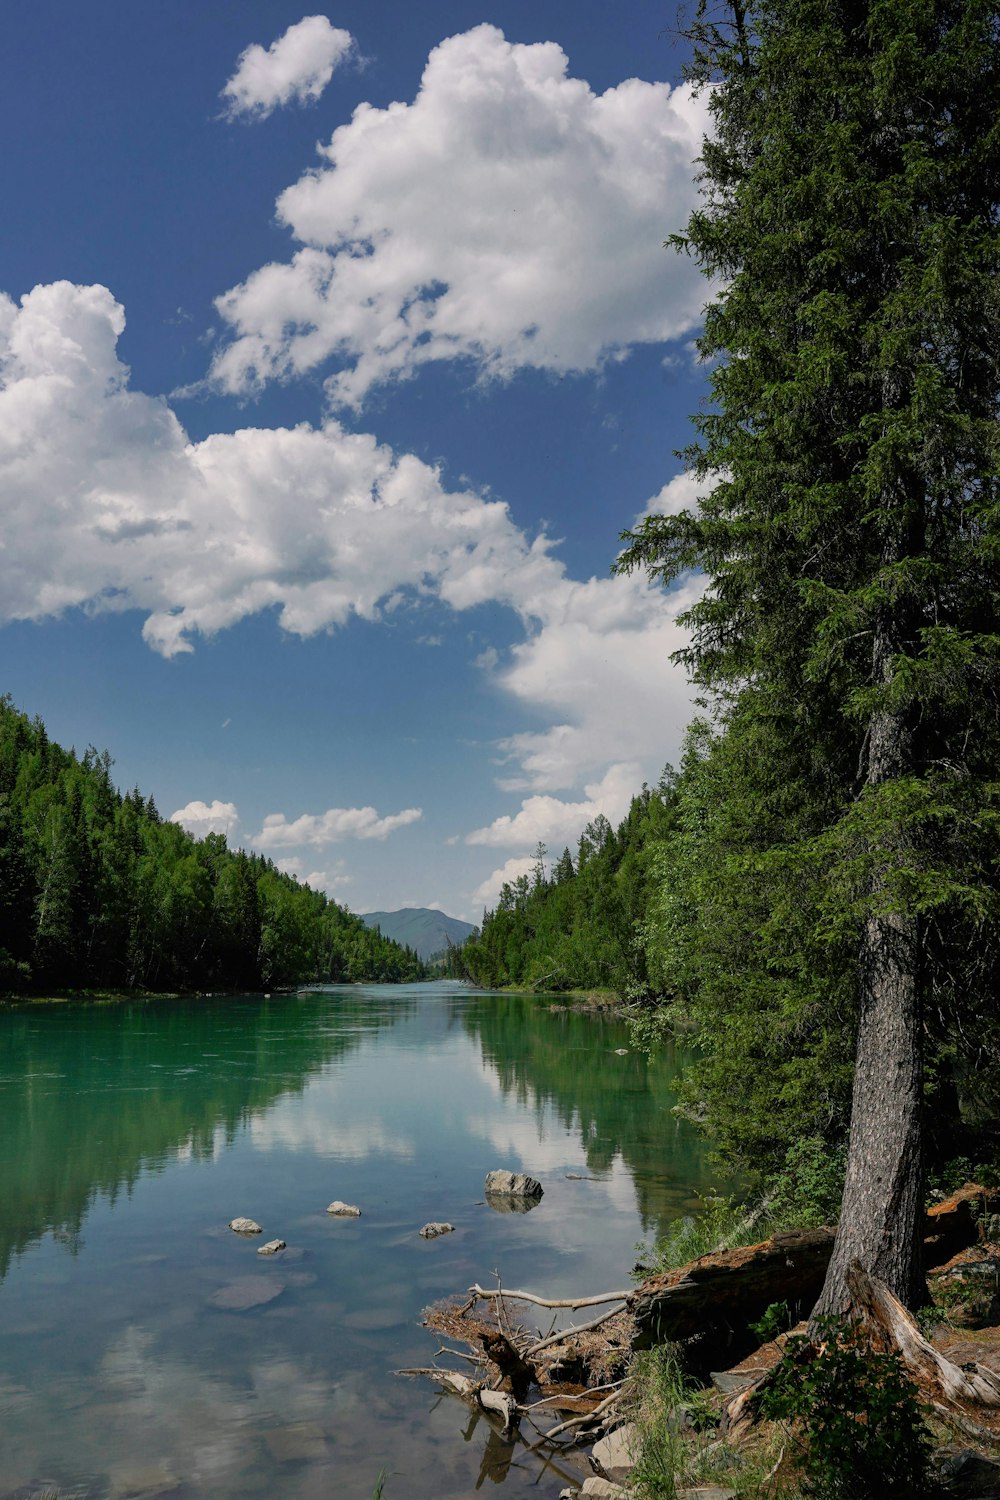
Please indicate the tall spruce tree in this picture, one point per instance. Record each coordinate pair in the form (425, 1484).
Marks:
(849, 528)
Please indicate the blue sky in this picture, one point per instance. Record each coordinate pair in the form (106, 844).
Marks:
(336, 349)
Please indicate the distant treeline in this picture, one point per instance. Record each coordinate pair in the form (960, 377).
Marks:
(582, 923)
(98, 891)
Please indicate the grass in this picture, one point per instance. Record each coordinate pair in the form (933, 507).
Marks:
(678, 1444)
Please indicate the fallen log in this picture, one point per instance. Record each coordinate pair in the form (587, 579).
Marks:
(729, 1289)
(953, 1224)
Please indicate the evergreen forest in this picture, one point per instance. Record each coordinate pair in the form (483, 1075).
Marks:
(98, 891)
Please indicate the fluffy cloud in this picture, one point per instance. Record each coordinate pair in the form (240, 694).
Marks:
(298, 65)
(556, 822)
(320, 880)
(108, 506)
(508, 216)
(485, 895)
(679, 493)
(331, 827)
(200, 818)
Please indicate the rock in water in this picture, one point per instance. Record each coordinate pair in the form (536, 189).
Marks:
(272, 1247)
(344, 1210)
(431, 1231)
(512, 1185)
(245, 1293)
(245, 1226)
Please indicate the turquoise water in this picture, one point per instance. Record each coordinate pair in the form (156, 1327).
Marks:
(146, 1349)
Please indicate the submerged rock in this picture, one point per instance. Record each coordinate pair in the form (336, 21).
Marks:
(432, 1230)
(272, 1247)
(245, 1226)
(500, 1184)
(344, 1210)
(246, 1292)
(302, 1442)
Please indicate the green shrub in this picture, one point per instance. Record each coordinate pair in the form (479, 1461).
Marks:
(856, 1415)
(807, 1191)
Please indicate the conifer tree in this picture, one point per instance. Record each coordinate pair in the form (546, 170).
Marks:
(848, 525)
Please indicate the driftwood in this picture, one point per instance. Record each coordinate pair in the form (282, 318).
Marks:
(502, 1294)
(730, 1289)
(499, 1403)
(517, 1375)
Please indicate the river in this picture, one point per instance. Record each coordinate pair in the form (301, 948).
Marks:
(145, 1349)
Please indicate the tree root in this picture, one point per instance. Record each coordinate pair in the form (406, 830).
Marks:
(966, 1397)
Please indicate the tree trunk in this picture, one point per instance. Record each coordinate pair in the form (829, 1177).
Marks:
(881, 1215)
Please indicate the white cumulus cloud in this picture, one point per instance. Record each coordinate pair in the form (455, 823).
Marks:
(331, 827)
(556, 822)
(200, 818)
(486, 895)
(508, 216)
(107, 505)
(328, 880)
(297, 66)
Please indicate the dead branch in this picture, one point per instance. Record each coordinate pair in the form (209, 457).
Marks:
(567, 1333)
(961, 1395)
(887, 1323)
(572, 1302)
(586, 1419)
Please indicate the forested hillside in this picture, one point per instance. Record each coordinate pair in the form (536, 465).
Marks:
(680, 910)
(97, 890)
(580, 924)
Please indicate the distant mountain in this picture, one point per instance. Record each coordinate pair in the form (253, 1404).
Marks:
(419, 927)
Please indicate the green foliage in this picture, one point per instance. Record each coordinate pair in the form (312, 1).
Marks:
(848, 528)
(806, 1192)
(775, 1319)
(580, 925)
(678, 1446)
(659, 1392)
(720, 1224)
(954, 1174)
(858, 1422)
(97, 891)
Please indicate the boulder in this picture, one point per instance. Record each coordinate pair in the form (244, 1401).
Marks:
(245, 1226)
(601, 1489)
(969, 1474)
(272, 1247)
(501, 1184)
(344, 1210)
(432, 1230)
(617, 1454)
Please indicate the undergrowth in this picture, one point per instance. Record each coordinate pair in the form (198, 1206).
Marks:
(678, 1447)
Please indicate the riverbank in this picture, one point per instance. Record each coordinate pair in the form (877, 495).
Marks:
(680, 1374)
(94, 997)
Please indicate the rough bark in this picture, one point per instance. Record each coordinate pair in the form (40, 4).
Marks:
(881, 1213)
